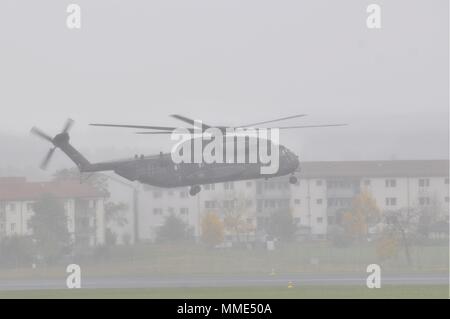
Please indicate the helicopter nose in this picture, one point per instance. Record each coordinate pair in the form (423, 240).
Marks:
(294, 159)
(291, 159)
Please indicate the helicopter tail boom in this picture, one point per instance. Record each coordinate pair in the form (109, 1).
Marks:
(61, 141)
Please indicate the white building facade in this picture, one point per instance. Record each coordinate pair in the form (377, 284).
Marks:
(324, 192)
(83, 206)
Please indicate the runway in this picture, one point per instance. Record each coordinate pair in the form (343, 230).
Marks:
(224, 281)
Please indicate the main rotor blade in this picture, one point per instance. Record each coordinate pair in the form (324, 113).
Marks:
(67, 125)
(156, 133)
(308, 126)
(47, 158)
(276, 120)
(188, 120)
(163, 128)
(41, 134)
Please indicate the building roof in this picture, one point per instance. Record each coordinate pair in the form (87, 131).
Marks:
(394, 168)
(17, 188)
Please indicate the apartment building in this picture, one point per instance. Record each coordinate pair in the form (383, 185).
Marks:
(83, 204)
(323, 194)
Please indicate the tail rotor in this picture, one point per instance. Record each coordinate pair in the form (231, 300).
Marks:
(55, 141)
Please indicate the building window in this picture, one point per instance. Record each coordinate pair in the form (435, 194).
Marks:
(423, 201)
(319, 182)
(259, 205)
(170, 210)
(184, 211)
(170, 192)
(209, 187)
(339, 202)
(297, 201)
(210, 204)
(92, 204)
(319, 201)
(391, 183)
(269, 185)
(272, 203)
(446, 199)
(248, 203)
(228, 186)
(12, 207)
(446, 180)
(157, 211)
(341, 183)
(424, 182)
(391, 201)
(249, 184)
(319, 220)
(13, 227)
(228, 204)
(157, 194)
(367, 182)
(183, 194)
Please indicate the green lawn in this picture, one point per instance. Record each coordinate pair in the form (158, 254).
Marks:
(166, 259)
(298, 292)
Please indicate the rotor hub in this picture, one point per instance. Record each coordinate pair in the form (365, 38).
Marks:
(61, 138)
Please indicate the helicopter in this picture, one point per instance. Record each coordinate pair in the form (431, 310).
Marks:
(162, 171)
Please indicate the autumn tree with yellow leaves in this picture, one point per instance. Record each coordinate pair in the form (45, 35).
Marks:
(363, 212)
(212, 229)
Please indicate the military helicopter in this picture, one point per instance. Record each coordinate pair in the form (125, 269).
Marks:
(160, 170)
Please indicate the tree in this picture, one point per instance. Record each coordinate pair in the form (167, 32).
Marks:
(387, 245)
(363, 213)
(428, 215)
(212, 229)
(282, 225)
(173, 230)
(49, 227)
(235, 216)
(99, 181)
(110, 237)
(114, 215)
(398, 225)
(16, 251)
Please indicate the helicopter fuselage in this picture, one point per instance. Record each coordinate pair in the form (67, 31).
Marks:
(160, 170)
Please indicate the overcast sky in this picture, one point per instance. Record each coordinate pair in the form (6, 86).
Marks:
(228, 62)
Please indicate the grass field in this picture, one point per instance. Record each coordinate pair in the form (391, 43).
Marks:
(166, 259)
(299, 292)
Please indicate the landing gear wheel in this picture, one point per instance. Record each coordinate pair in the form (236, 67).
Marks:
(293, 180)
(194, 190)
